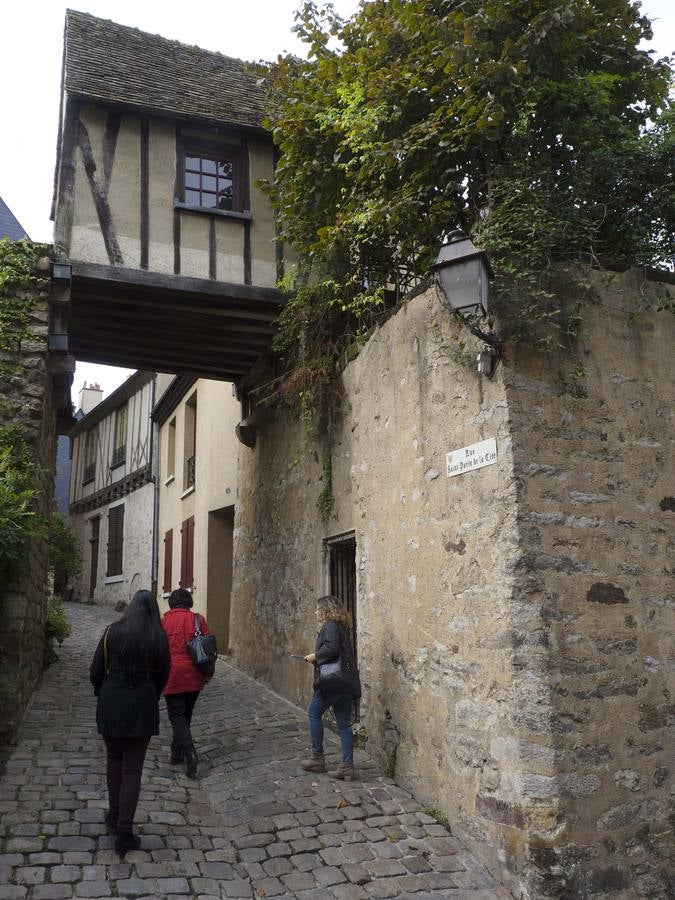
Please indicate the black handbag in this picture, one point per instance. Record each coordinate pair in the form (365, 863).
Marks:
(337, 678)
(203, 650)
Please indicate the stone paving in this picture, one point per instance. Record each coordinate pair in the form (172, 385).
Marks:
(253, 825)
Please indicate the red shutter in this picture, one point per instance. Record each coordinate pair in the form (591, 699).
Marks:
(187, 550)
(115, 540)
(190, 552)
(168, 559)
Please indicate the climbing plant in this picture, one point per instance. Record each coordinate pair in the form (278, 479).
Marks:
(17, 273)
(19, 521)
(65, 556)
(538, 126)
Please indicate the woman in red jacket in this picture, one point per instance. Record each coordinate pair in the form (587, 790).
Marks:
(185, 681)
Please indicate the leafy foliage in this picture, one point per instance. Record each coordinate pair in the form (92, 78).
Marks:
(57, 628)
(539, 126)
(65, 558)
(18, 520)
(17, 261)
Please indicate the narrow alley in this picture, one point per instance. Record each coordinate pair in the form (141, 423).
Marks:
(254, 825)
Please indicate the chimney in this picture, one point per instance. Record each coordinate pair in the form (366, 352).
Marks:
(90, 396)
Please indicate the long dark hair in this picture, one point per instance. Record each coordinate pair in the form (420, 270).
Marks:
(138, 637)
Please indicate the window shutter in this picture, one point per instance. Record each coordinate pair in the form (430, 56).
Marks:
(190, 551)
(115, 540)
(183, 554)
(168, 560)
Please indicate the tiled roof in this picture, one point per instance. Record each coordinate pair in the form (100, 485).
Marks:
(9, 226)
(117, 64)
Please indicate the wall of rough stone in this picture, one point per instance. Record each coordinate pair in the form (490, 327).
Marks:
(592, 606)
(27, 398)
(512, 621)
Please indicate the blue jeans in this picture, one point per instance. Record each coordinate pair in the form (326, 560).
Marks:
(342, 707)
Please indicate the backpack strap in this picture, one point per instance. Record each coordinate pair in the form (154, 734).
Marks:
(105, 653)
(198, 629)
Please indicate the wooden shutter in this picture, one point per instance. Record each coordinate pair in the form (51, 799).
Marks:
(115, 540)
(168, 560)
(187, 550)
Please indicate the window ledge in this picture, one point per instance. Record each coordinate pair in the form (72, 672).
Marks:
(113, 579)
(244, 216)
(117, 464)
(187, 492)
(88, 481)
(169, 480)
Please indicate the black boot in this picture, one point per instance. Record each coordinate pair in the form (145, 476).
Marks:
(125, 841)
(111, 821)
(191, 760)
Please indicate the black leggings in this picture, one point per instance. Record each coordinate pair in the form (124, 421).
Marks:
(180, 708)
(125, 767)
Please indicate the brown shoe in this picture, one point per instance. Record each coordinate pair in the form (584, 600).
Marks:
(345, 771)
(316, 764)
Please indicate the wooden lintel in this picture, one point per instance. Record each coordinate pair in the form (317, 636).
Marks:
(175, 284)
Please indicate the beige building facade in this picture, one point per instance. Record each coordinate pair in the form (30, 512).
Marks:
(514, 619)
(197, 490)
(112, 491)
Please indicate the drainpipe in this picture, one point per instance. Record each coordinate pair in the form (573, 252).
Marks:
(154, 456)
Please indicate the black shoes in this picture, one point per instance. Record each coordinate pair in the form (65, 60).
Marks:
(191, 760)
(125, 841)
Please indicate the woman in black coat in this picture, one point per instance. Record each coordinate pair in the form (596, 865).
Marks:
(333, 643)
(130, 668)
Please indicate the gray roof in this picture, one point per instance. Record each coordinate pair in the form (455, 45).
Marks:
(116, 64)
(9, 225)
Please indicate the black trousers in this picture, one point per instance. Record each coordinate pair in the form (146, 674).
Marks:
(180, 708)
(125, 758)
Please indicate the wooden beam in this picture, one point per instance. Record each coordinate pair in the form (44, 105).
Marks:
(176, 284)
(183, 306)
(141, 360)
(199, 348)
(145, 190)
(199, 324)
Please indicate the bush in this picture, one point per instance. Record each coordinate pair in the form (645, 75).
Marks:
(65, 558)
(19, 521)
(57, 628)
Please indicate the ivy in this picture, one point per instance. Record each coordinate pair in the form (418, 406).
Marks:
(17, 274)
(540, 127)
(19, 521)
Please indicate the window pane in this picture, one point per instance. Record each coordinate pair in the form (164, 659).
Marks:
(225, 201)
(192, 197)
(192, 162)
(209, 183)
(225, 168)
(209, 166)
(191, 180)
(208, 200)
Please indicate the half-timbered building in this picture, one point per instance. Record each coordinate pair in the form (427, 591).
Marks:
(168, 243)
(197, 478)
(112, 493)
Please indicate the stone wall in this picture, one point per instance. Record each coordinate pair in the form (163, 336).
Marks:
(29, 398)
(511, 621)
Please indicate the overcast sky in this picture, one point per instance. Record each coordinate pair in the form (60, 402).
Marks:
(31, 44)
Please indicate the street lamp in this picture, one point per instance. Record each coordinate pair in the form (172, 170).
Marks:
(462, 273)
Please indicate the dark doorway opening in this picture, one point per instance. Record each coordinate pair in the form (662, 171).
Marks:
(342, 571)
(219, 574)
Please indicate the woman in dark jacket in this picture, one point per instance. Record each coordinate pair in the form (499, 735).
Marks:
(129, 670)
(186, 681)
(332, 643)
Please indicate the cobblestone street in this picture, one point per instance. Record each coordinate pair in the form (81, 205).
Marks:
(254, 825)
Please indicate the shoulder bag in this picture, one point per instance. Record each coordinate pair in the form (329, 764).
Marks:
(203, 650)
(336, 678)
